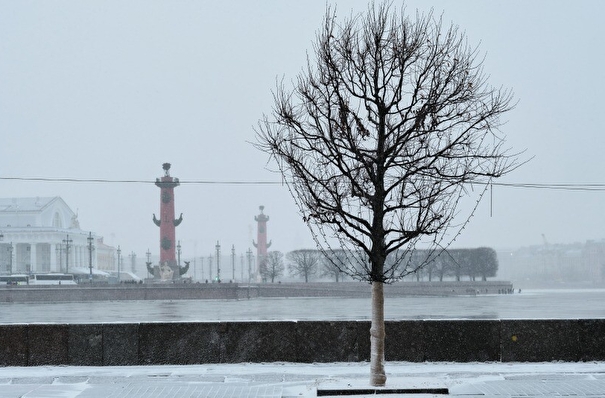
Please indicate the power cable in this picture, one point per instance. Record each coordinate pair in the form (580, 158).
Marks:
(108, 181)
(560, 187)
(555, 186)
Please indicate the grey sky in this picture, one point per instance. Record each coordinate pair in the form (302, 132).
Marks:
(113, 89)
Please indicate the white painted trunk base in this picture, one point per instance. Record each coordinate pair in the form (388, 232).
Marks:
(378, 377)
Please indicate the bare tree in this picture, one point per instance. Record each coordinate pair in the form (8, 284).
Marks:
(487, 262)
(379, 139)
(331, 266)
(304, 262)
(273, 266)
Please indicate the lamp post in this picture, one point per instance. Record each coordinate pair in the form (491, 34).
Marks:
(90, 249)
(178, 253)
(210, 267)
(233, 261)
(28, 265)
(218, 262)
(249, 253)
(148, 261)
(1, 236)
(242, 268)
(67, 241)
(10, 258)
(119, 261)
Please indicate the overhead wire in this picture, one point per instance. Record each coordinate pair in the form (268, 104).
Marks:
(110, 181)
(560, 187)
(550, 186)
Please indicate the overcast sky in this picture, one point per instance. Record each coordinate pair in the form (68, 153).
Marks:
(113, 89)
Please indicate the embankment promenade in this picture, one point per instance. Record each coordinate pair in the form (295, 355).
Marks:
(235, 291)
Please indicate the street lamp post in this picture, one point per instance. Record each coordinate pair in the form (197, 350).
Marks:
(218, 262)
(178, 253)
(148, 261)
(210, 267)
(1, 236)
(249, 253)
(28, 264)
(119, 261)
(233, 261)
(242, 268)
(90, 249)
(10, 258)
(67, 241)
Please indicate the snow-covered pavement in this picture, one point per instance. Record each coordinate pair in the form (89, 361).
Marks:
(289, 380)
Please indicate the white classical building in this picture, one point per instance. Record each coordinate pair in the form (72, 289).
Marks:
(41, 235)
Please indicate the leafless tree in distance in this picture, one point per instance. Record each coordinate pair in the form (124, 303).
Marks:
(304, 262)
(273, 266)
(331, 266)
(389, 126)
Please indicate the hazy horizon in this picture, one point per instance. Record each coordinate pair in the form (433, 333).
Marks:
(111, 90)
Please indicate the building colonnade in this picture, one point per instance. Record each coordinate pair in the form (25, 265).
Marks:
(24, 252)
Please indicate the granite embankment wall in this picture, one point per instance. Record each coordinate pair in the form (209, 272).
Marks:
(305, 342)
(199, 291)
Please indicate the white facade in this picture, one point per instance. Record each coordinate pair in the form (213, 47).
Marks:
(42, 235)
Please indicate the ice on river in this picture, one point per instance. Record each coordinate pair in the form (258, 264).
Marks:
(530, 304)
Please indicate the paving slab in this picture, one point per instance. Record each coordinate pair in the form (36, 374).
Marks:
(295, 380)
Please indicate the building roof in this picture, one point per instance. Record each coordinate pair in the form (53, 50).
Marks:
(36, 204)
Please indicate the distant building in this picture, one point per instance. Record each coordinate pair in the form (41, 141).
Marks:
(43, 234)
(554, 263)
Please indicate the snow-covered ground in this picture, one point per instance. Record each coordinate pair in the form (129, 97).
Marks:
(303, 380)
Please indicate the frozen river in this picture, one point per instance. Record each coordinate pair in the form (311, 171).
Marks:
(530, 304)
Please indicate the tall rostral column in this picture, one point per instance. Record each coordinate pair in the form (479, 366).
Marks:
(168, 267)
(261, 240)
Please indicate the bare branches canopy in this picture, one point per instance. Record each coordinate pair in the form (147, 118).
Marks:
(304, 262)
(272, 266)
(382, 132)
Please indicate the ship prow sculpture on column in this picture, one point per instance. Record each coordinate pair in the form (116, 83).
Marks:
(168, 269)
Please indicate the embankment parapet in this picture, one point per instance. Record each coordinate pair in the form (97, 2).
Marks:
(183, 343)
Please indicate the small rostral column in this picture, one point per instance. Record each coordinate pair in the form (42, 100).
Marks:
(168, 267)
(261, 244)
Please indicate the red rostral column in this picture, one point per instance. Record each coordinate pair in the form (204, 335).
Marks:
(168, 267)
(261, 237)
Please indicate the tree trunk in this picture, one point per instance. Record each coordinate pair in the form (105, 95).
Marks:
(377, 375)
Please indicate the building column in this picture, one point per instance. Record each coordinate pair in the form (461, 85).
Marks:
(33, 258)
(53, 258)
